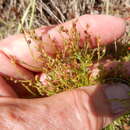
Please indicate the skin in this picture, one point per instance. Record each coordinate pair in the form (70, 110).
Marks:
(86, 108)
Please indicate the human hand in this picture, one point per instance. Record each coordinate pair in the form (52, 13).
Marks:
(84, 108)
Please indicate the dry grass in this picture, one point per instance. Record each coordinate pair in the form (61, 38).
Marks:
(34, 13)
(16, 14)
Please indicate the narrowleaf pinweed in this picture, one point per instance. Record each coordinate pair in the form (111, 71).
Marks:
(70, 67)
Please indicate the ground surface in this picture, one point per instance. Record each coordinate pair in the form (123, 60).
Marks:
(15, 14)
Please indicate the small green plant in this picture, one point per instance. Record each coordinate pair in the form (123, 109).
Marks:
(70, 66)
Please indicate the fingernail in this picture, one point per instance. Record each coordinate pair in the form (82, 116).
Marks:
(118, 96)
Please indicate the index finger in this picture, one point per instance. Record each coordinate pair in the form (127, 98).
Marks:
(108, 28)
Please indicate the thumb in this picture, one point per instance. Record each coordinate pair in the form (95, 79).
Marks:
(87, 108)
